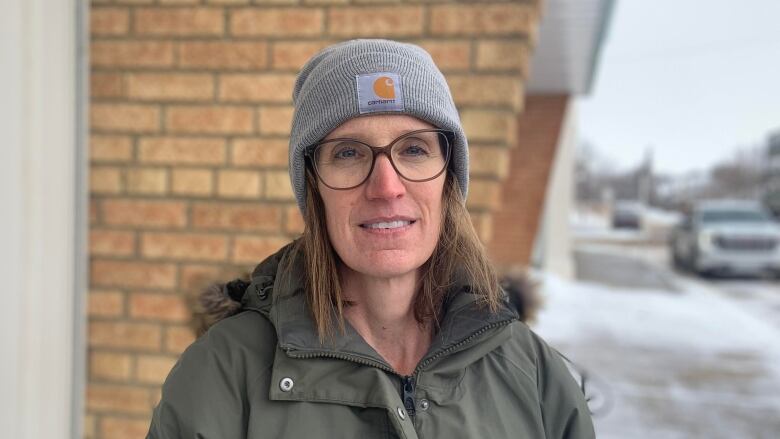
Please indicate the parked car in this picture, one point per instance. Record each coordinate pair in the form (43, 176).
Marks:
(627, 215)
(730, 237)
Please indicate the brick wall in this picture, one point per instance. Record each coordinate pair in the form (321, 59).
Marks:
(516, 221)
(190, 113)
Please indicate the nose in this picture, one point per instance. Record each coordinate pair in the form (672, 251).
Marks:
(384, 182)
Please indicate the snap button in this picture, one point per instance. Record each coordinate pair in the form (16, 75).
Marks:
(401, 413)
(262, 292)
(286, 384)
(424, 404)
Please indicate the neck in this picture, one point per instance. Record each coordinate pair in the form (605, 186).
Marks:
(383, 314)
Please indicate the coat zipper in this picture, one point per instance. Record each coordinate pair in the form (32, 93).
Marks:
(407, 392)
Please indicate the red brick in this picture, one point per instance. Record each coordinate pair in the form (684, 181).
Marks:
(384, 21)
(133, 274)
(105, 180)
(165, 307)
(170, 87)
(265, 87)
(184, 246)
(111, 242)
(277, 186)
(149, 181)
(89, 427)
(195, 277)
(177, 338)
(489, 125)
(488, 161)
(506, 91)
(179, 21)
(482, 19)
(131, 54)
(123, 428)
(293, 55)
(503, 55)
(484, 195)
(124, 117)
(181, 151)
(195, 182)
(246, 217)
(153, 369)
(239, 184)
(107, 148)
(449, 55)
(105, 85)
(515, 224)
(108, 21)
(93, 212)
(123, 335)
(103, 303)
(293, 222)
(210, 120)
(115, 398)
(254, 249)
(109, 366)
(260, 152)
(275, 120)
(240, 55)
(144, 213)
(276, 22)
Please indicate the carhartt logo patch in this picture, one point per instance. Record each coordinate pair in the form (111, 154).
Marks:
(379, 92)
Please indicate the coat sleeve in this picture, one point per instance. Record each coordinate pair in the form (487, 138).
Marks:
(565, 411)
(206, 394)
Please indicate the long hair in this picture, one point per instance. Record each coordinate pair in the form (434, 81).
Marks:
(459, 260)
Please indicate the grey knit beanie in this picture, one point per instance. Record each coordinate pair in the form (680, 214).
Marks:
(340, 83)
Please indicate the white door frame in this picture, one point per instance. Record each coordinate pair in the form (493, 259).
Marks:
(43, 224)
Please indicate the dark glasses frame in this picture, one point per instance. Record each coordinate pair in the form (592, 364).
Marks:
(310, 152)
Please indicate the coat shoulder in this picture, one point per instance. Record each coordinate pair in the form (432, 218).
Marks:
(566, 412)
(214, 378)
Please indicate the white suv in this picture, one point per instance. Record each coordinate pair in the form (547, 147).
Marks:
(737, 237)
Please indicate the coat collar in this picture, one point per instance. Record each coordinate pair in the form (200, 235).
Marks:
(277, 292)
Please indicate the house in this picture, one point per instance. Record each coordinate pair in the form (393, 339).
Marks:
(145, 153)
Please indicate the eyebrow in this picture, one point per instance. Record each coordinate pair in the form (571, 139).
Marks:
(356, 135)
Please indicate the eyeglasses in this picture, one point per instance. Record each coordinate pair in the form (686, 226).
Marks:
(418, 156)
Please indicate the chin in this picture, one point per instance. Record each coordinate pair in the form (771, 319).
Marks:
(383, 263)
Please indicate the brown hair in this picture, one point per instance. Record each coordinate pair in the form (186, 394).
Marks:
(459, 259)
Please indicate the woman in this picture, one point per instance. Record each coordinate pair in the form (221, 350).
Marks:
(384, 319)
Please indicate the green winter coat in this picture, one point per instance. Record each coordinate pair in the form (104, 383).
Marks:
(263, 373)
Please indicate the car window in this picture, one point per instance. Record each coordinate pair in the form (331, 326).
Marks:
(732, 216)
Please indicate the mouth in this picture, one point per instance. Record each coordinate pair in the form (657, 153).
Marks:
(387, 224)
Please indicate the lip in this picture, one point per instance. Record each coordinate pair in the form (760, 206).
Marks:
(381, 219)
(386, 219)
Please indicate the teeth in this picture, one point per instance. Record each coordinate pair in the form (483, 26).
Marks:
(387, 225)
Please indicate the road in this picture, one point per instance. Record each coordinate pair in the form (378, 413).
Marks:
(668, 355)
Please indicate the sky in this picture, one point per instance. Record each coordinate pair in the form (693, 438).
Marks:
(692, 80)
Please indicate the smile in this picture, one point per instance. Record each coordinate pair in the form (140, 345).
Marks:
(387, 224)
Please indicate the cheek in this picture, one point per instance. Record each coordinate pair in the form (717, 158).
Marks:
(337, 210)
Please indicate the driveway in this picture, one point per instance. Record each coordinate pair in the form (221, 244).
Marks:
(667, 355)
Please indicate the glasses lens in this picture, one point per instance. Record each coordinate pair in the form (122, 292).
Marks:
(421, 156)
(342, 163)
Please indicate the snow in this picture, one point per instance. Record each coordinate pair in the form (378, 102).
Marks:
(646, 318)
(693, 358)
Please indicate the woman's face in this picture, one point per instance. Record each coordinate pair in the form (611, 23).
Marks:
(387, 226)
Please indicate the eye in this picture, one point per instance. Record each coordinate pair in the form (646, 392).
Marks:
(346, 151)
(415, 148)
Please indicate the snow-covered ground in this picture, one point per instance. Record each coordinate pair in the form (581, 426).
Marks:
(677, 358)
